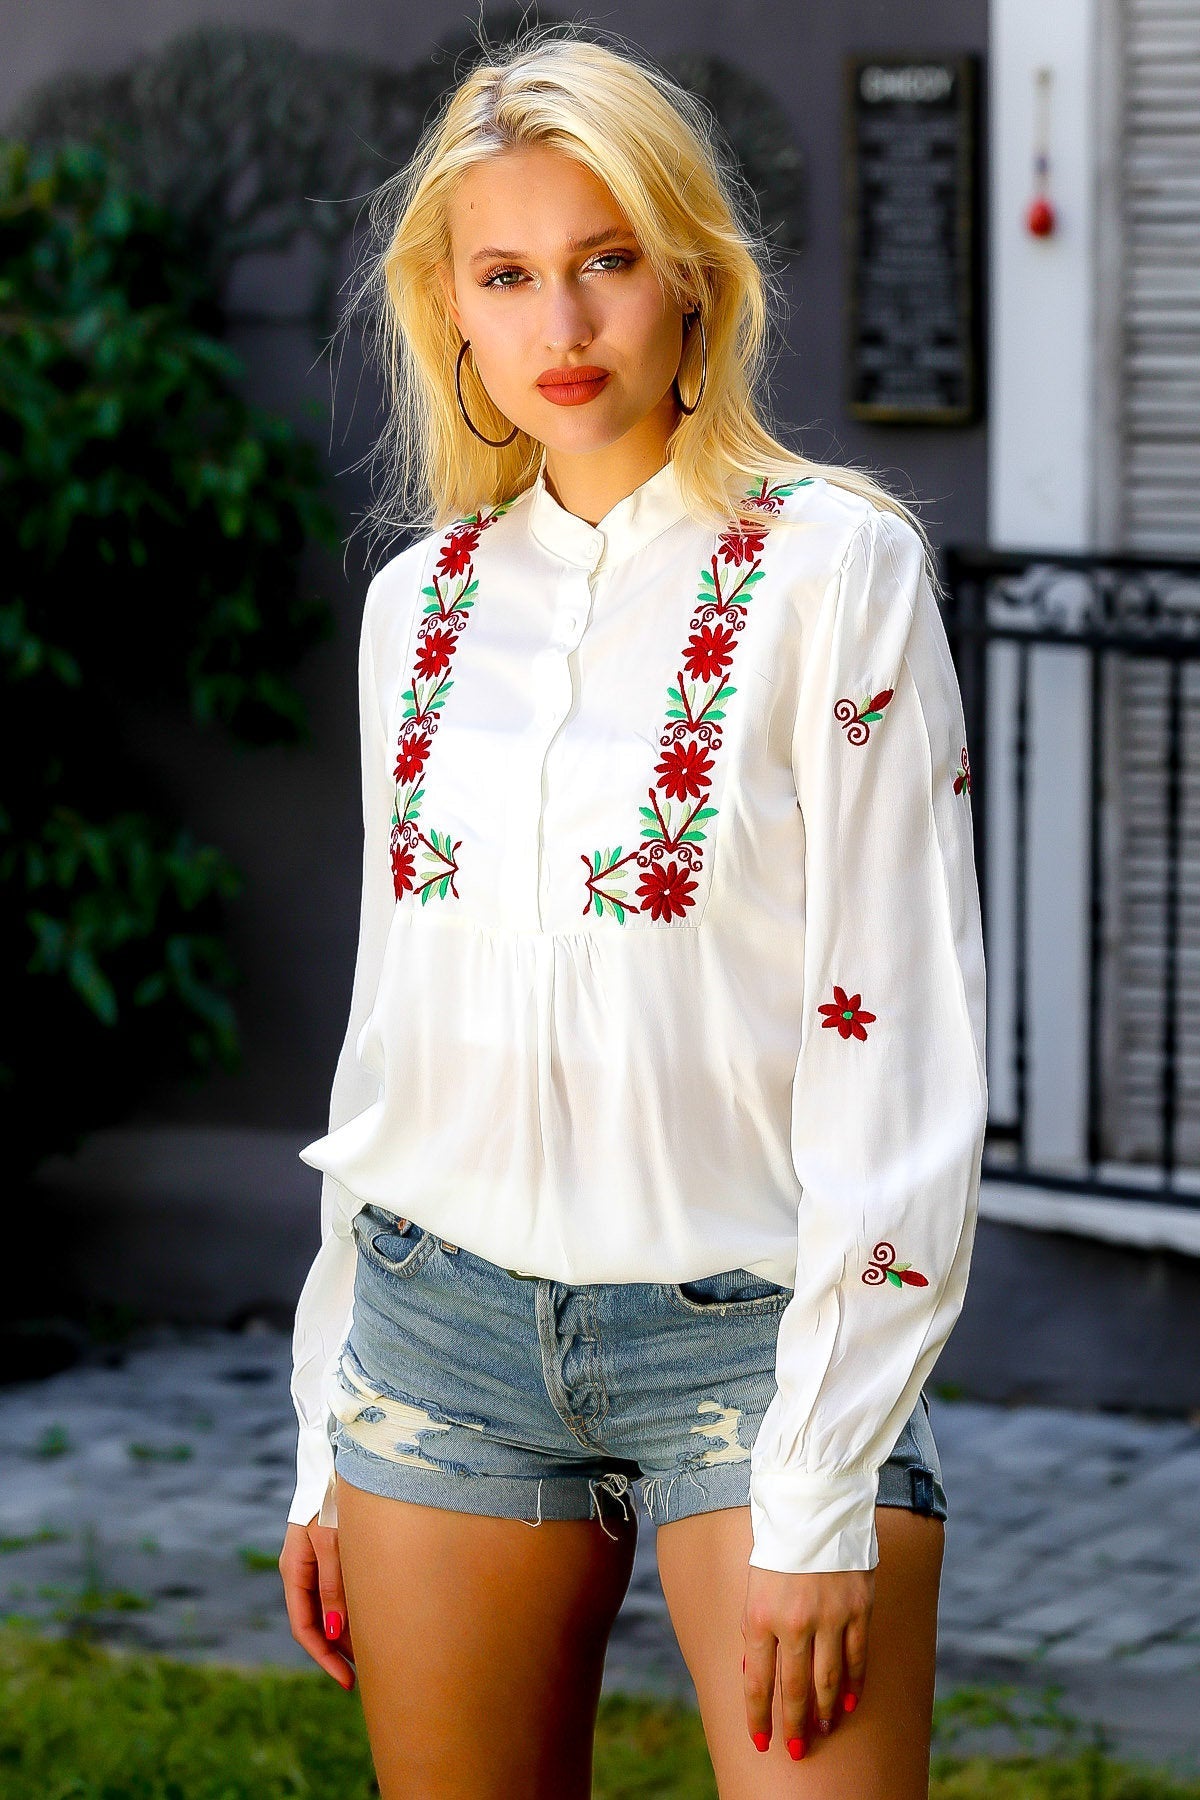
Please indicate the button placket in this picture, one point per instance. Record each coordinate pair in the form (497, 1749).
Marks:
(572, 622)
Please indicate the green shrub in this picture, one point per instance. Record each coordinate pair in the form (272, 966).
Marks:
(155, 526)
(76, 1720)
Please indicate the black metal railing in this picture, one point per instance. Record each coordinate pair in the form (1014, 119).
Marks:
(1130, 628)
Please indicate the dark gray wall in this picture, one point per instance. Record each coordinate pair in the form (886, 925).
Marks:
(291, 819)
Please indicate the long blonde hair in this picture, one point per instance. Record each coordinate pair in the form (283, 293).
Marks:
(653, 144)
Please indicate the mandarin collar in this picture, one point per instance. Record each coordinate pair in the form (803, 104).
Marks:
(625, 528)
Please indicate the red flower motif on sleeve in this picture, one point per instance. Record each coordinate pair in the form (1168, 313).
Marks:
(962, 775)
(883, 1267)
(858, 720)
(845, 1014)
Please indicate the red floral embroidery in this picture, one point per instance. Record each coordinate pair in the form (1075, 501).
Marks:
(433, 655)
(845, 1014)
(708, 652)
(685, 769)
(669, 860)
(884, 1267)
(962, 778)
(447, 613)
(858, 720)
(666, 892)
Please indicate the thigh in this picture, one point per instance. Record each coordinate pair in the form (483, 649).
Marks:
(479, 1644)
(879, 1752)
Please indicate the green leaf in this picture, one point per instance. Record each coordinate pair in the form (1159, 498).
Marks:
(871, 718)
(893, 1278)
(598, 904)
(692, 837)
(619, 910)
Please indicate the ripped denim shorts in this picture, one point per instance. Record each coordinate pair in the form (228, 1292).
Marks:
(480, 1389)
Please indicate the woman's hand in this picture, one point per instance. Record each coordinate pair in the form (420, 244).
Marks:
(811, 1631)
(316, 1600)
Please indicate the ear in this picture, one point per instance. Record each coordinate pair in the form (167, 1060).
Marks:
(445, 275)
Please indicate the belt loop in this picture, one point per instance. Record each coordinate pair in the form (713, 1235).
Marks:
(922, 1488)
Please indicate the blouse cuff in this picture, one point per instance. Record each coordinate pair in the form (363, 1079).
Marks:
(808, 1523)
(314, 1498)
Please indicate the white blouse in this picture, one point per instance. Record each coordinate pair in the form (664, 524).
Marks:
(670, 957)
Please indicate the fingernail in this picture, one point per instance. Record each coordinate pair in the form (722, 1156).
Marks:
(762, 1740)
(333, 1625)
(849, 1701)
(824, 1726)
(795, 1748)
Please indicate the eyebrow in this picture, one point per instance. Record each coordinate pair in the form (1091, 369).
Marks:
(585, 243)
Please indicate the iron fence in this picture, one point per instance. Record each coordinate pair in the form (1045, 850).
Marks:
(1080, 677)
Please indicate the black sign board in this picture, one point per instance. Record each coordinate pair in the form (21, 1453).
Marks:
(912, 283)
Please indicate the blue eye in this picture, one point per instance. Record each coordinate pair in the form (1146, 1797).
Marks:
(623, 260)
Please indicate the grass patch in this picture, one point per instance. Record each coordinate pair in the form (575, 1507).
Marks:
(259, 1562)
(30, 1538)
(77, 1721)
(54, 1441)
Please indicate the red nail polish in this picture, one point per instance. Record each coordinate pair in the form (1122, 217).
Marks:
(762, 1740)
(795, 1748)
(333, 1625)
(849, 1701)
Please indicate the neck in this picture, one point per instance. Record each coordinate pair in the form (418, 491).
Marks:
(590, 483)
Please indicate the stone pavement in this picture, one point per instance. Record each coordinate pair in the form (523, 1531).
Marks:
(146, 1494)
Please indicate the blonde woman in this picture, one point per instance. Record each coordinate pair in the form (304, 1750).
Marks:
(654, 1145)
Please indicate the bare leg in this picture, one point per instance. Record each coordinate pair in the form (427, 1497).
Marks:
(879, 1752)
(479, 1645)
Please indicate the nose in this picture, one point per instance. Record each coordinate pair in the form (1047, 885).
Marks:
(566, 320)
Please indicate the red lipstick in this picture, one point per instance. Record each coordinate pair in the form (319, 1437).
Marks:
(571, 387)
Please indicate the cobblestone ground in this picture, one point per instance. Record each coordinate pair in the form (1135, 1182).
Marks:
(147, 1496)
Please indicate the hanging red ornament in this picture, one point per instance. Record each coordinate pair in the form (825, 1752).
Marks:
(1040, 217)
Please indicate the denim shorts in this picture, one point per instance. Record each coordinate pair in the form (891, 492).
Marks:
(484, 1390)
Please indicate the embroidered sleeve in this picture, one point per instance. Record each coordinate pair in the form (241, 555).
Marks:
(889, 1096)
(323, 1311)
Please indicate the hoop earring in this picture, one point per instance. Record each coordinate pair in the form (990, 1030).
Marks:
(695, 314)
(496, 443)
